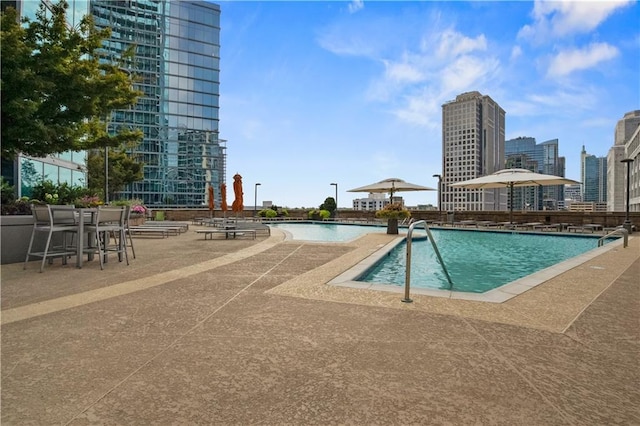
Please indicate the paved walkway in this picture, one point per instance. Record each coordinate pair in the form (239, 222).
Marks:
(247, 332)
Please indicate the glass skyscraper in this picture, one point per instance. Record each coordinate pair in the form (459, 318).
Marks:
(177, 68)
(593, 172)
(525, 153)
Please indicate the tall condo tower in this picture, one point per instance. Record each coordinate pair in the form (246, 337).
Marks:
(625, 132)
(177, 67)
(593, 172)
(473, 129)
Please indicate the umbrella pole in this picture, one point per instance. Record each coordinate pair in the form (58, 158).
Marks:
(511, 203)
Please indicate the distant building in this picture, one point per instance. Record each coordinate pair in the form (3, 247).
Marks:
(473, 129)
(373, 202)
(593, 173)
(625, 146)
(525, 153)
(578, 206)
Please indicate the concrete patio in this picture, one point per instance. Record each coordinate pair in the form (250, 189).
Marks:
(237, 332)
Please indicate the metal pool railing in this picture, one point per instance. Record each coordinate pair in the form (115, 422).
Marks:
(407, 282)
(625, 236)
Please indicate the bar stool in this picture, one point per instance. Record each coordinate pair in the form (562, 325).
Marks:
(110, 222)
(44, 222)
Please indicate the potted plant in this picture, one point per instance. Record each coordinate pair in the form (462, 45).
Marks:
(392, 212)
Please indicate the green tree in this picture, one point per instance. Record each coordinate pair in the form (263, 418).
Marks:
(57, 89)
(123, 170)
(330, 205)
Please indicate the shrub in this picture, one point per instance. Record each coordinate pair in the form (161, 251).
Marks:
(268, 213)
(136, 205)
(88, 201)
(63, 193)
(393, 211)
(319, 214)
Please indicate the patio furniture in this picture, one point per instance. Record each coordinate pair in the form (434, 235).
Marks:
(44, 223)
(228, 232)
(110, 222)
(149, 231)
(128, 242)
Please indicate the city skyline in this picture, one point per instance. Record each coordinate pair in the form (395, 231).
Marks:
(314, 93)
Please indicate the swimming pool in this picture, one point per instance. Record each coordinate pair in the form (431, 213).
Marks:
(326, 232)
(477, 261)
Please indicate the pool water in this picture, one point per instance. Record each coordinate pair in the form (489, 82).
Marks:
(327, 232)
(476, 261)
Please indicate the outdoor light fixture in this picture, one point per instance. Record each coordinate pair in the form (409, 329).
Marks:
(255, 199)
(627, 222)
(439, 192)
(336, 185)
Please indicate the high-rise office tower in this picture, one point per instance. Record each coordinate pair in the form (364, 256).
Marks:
(525, 153)
(177, 65)
(473, 129)
(622, 148)
(593, 173)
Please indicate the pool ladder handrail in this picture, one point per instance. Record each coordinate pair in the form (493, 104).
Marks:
(407, 280)
(625, 236)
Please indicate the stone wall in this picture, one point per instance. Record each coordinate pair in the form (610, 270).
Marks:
(607, 219)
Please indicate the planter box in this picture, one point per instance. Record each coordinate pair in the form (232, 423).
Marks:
(15, 232)
(136, 220)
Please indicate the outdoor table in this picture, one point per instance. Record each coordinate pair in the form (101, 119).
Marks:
(83, 213)
(592, 227)
(529, 225)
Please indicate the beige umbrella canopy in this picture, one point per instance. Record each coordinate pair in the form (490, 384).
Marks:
(510, 178)
(391, 185)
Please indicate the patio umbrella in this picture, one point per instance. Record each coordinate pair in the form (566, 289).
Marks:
(237, 205)
(223, 195)
(510, 178)
(211, 201)
(391, 185)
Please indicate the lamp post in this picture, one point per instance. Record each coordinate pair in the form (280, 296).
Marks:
(255, 199)
(439, 195)
(627, 222)
(336, 185)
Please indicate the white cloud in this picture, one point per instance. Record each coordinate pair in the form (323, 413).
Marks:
(452, 44)
(466, 72)
(421, 109)
(403, 72)
(355, 6)
(516, 52)
(562, 18)
(568, 61)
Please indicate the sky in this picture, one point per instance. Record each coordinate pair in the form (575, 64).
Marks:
(351, 92)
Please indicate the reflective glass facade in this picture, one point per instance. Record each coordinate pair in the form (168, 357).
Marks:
(177, 69)
(68, 167)
(525, 153)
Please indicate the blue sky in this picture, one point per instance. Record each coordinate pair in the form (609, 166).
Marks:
(351, 92)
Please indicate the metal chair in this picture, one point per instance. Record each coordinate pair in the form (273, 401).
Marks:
(129, 240)
(110, 222)
(51, 219)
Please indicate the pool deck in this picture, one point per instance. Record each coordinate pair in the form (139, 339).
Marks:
(246, 331)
